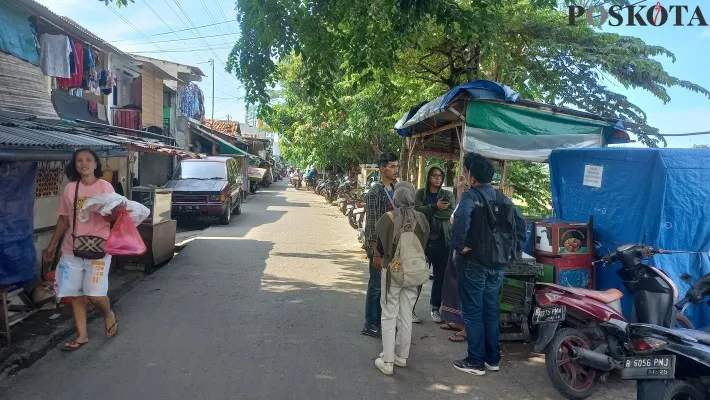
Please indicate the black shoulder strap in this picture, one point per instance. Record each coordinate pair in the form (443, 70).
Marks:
(76, 199)
(490, 216)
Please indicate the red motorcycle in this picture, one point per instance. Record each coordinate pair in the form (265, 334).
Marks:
(583, 332)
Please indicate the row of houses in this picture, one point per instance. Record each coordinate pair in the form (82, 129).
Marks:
(62, 88)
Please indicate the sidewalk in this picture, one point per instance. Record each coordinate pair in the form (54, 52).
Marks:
(35, 336)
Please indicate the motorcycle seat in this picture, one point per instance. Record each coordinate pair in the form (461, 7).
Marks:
(701, 336)
(605, 296)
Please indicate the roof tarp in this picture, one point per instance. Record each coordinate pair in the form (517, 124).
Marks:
(509, 132)
(224, 146)
(16, 35)
(659, 197)
(479, 89)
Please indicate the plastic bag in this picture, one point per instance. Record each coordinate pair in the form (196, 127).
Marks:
(124, 239)
(105, 203)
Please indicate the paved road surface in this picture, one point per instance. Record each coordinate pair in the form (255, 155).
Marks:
(269, 307)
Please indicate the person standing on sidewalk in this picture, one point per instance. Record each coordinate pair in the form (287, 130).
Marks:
(83, 279)
(378, 201)
(437, 205)
(488, 231)
(403, 236)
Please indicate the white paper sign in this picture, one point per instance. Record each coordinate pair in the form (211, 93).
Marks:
(593, 175)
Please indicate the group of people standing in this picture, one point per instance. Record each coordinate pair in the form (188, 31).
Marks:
(467, 237)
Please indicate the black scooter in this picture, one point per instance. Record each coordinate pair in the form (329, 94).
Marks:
(671, 364)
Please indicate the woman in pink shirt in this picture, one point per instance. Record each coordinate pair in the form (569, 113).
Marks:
(86, 280)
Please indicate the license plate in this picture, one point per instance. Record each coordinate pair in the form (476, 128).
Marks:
(189, 208)
(549, 314)
(649, 367)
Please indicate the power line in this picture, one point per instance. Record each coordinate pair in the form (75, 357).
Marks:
(174, 31)
(180, 40)
(133, 26)
(684, 134)
(179, 50)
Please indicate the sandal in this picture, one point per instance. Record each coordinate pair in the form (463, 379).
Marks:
(73, 345)
(456, 338)
(113, 330)
(448, 327)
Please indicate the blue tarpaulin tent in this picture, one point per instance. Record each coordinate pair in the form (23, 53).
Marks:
(659, 197)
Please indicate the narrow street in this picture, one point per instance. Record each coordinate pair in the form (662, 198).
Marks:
(269, 307)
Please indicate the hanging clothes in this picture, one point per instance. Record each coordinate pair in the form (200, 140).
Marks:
(93, 109)
(78, 75)
(107, 81)
(54, 55)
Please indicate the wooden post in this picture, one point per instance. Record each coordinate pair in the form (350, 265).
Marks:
(505, 170)
(404, 159)
(420, 178)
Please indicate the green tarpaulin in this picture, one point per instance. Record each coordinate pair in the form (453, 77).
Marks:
(511, 132)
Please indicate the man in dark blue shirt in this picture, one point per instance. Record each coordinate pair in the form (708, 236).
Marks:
(479, 285)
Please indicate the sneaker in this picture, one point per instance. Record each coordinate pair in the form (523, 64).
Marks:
(385, 367)
(465, 366)
(372, 331)
(436, 316)
(416, 319)
(398, 361)
(492, 367)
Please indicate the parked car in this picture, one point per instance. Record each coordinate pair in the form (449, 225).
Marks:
(207, 187)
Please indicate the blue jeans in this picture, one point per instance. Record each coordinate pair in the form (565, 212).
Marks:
(479, 290)
(373, 310)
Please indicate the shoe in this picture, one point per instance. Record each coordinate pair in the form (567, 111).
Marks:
(490, 367)
(385, 367)
(465, 366)
(398, 361)
(416, 319)
(436, 316)
(372, 331)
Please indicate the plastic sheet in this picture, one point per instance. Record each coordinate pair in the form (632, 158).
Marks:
(17, 252)
(104, 204)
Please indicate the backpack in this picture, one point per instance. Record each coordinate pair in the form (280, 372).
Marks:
(491, 235)
(409, 267)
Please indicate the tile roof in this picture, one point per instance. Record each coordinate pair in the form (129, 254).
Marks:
(227, 127)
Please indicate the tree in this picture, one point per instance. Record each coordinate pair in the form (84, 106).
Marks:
(522, 43)
(119, 3)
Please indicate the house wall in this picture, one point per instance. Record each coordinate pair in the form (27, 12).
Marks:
(154, 169)
(152, 99)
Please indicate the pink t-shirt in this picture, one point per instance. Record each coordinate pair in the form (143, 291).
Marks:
(96, 225)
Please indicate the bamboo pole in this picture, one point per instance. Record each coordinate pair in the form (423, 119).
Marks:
(420, 178)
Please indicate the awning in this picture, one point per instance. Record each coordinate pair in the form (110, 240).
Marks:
(224, 146)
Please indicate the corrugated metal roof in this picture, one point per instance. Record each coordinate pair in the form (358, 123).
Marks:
(13, 135)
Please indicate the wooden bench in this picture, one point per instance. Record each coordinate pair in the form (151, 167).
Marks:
(11, 312)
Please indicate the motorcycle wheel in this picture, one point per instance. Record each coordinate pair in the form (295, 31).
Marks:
(681, 390)
(352, 222)
(572, 379)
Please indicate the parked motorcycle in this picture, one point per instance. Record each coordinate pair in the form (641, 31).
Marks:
(671, 364)
(583, 332)
(296, 182)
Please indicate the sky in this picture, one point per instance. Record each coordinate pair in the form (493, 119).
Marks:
(686, 112)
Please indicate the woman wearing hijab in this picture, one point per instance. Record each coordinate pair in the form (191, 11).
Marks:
(437, 205)
(397, 301)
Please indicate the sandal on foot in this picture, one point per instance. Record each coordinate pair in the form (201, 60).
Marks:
(448, 327)
(456, 338)
(113, 328)
(73, 345)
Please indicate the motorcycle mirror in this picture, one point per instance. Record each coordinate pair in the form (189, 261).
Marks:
(686, 278)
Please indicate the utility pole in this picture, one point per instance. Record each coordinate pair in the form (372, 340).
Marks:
(211, 61)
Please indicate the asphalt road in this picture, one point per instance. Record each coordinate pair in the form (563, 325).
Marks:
(269, 307)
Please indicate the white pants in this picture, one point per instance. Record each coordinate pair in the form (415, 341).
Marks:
(396, 319)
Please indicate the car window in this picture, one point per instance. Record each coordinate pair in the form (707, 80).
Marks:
(201, 170)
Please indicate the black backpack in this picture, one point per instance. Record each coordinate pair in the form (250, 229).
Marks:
(491, 235)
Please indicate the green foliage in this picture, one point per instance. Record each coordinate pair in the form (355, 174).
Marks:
(119, 3)
(531, 182)
(346, 70)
